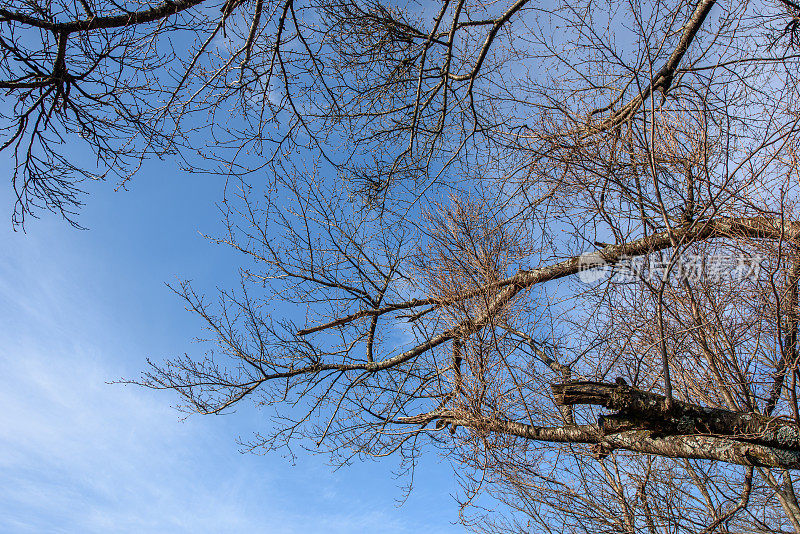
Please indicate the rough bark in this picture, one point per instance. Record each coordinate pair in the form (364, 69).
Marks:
(643, 410)
(643, 441)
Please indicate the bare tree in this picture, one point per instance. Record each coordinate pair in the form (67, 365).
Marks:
(557, 243)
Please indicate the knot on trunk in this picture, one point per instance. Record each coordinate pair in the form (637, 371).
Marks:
(642, 410)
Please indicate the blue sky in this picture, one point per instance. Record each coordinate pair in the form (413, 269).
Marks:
(81, 308)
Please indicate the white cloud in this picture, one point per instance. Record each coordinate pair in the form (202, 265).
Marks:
(78, 455)
(88, 456)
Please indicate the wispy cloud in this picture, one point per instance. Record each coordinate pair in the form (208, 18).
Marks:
(80, 455)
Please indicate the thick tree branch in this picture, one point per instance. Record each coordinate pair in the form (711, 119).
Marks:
(639, 441)
(747, 227)
(643, 410)
(156, 12)
(663, 78)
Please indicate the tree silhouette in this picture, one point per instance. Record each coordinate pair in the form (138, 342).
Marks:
(557, 243)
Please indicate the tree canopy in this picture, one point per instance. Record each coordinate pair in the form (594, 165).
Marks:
(555, 241)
